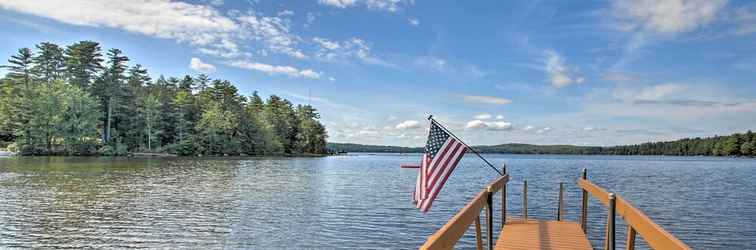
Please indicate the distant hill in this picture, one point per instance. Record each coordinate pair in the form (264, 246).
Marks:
(732, 145)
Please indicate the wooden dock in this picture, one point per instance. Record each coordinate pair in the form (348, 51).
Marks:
(539, 234)
(525, 233)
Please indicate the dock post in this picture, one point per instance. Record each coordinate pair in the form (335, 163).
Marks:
(560, 206)
(584, 211)
(525, 201)
(489, 217)
(610, 227)
(504, 199)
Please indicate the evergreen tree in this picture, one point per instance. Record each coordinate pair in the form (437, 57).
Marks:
(49, 64)
(83, 61)
(111, 88)
(20, 67)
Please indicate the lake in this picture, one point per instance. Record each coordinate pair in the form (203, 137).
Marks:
(356, 201)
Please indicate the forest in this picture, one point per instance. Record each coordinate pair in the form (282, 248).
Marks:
(74, 100)
(739, 144)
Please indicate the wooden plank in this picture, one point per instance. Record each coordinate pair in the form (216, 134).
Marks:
(478, 235)
(497, 184)
(630, 245)
(597, 192)
(449, 234)
(652, 233)
(535, 234)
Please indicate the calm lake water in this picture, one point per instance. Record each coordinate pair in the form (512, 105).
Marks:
(347, 202)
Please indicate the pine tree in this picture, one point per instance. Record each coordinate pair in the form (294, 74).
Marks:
(113, 85)
(49, 64)
(20, 67)
(83, 61)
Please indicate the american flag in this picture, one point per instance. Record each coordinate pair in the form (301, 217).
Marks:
(442, 153)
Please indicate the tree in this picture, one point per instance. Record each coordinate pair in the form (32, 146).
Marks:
(111, 87)
(149, 110)
(279, 113)
(83, 61)
(49, 64)
(747, 149)
(215, 131)
(20, 67)
(79, 121)
(311, 136)
(182, 104)
(17, 91)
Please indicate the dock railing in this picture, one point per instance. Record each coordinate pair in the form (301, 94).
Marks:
(452, 231)
(637, 222)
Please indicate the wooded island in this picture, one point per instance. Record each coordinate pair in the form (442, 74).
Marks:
(74, 101)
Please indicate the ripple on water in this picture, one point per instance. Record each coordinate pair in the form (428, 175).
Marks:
(344, 202)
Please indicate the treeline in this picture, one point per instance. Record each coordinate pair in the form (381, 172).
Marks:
(732, 145)
(74, 100)
(353, 147)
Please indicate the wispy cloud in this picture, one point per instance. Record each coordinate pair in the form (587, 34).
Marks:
(409, 124)
(494, 125)
(198, 65)
(560, 74)
(667, 16)
(353, 48)
(275, 70)
(383, 5)
(413, 21)
(486, 99)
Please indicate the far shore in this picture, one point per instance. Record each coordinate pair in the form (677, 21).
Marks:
(167, 155)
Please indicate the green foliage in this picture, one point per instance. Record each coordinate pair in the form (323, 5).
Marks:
(733, 145)
(75, 101)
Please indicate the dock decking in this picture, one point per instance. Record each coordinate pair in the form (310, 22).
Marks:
(538, 234)
(527, 233)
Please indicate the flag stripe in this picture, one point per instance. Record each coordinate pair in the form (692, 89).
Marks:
(443, 164)
(459, 152)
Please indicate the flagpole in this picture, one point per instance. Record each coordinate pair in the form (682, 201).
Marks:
(430, 117)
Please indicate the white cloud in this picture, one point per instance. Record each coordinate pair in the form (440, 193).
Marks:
(331, 50)
(194, 24)
(486, 99)
(408, 124)
(413, 21)
(384, 5)
(272, 31)
(198, 65)
(499, 117)
(543, 130)
(338, 3)
(432, 63)
(201, 26)
(286, 13)
(496, 125)
(528, 128)
(665, 16)
(559, 73)
(658, 92)
(484, 116)
(276, 70)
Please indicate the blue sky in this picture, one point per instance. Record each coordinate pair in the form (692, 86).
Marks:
(544, 72)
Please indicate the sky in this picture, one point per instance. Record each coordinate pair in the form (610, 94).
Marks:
(542, 72)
